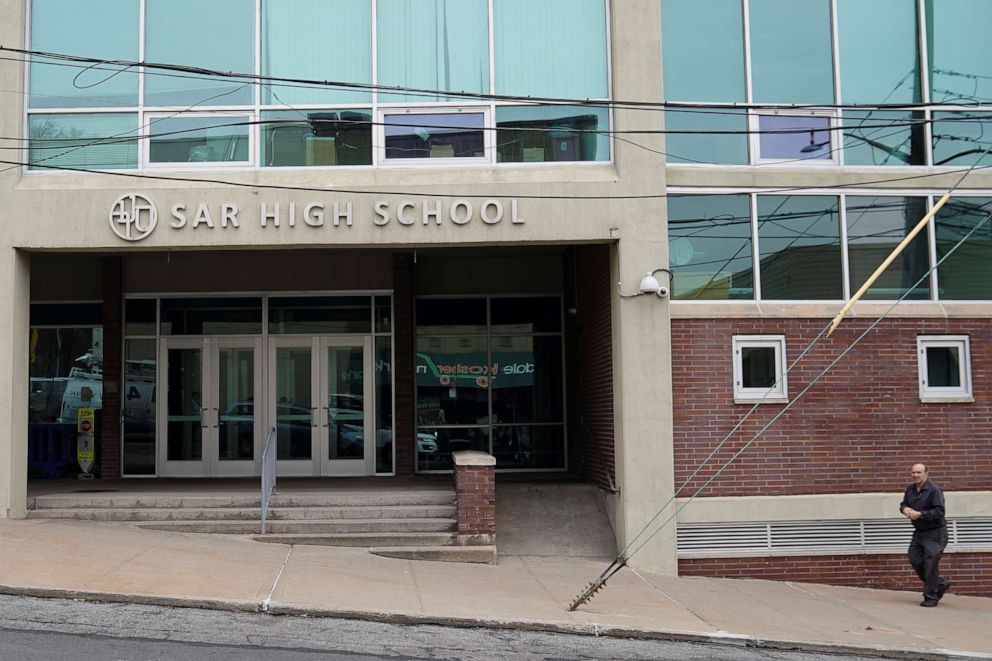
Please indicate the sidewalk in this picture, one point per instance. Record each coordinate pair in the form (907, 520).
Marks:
(120, 562)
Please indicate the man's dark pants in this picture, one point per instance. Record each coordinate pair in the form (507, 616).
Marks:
(924, 554)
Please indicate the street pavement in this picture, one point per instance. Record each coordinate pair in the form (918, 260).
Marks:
(123, 563)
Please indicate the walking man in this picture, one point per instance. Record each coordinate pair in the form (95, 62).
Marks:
(923, 504)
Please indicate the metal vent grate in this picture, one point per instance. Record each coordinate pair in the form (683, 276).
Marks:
(792, 537)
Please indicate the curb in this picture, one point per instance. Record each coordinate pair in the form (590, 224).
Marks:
(588, 629)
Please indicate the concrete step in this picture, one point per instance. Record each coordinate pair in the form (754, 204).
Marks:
(310, 527)
(479, 554)
(385, 498)
(247, 514)
(401, 539)
(363, 512)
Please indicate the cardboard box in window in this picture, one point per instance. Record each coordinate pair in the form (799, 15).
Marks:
(442, 151)
(533, 154)
(321, 150)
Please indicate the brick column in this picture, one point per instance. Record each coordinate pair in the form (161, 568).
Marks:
(110, 428)
(475, 494)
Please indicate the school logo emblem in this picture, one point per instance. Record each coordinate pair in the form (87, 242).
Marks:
(133, 217)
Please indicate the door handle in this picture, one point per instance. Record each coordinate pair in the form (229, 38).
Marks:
(314, 422)
(204, 423)
(328, 416)
(216, 418)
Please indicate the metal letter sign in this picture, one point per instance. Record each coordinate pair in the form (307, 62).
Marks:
(85, 451)
(133, 217)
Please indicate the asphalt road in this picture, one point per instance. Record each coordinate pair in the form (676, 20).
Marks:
(63, 630)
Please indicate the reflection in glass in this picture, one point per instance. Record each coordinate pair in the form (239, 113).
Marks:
(876, 225)
(706, 136)
(529, 446)
(452, 378)
(451, 316)
(966, 275)
(433, 45)
(527, 134)
(962, 138)
(383, 314)
(892, 50)
(435, 445)
(104, 141)
(294, 415)
(757, 367)
(880, 137)
(314, 315)
(567, 37)
(322, 138)
(100, 29)
(295, 45)
(383, 404)
(140, 316)
(799, 242)
(211, 316)
(217, 35)
(703, 50)
(345, 403)
(236, 404)
(139, 407)
(943, 367)
(184, 415)
(803, 137)
(218, 138)
(959, 50)
(710, 246)
(65, 372)
(438, 135)
(529, 314)
(791, 52)
(527, 386)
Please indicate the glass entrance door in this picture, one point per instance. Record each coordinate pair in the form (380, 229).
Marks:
(208, 420)
(320, 393)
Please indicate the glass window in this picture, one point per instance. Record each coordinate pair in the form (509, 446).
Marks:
(139, 316)
(295, 44)
(875, 226)
(961, 138)
(568, 38)
(706, 136)
(709, 247)
(434, 45)
(881, 137)
(703, 46)
(294, 415)
(384, 405)
(794, 137)
(453, 376)
(945, 368)
(212, 139)
(316, 137)
(539, 314)
(965, 275)
(311, 315)
(104, 141)
(444, 316)
(223, 32)
(434, 446)
(959, 50)
(211, 316)
(882, 32)
(383, 314)
(435, 135)
(66, 314)
(791, 53)
(552, 133)
(759, 369)
(529, 446)
(526, 381)
(139, 407)
(101, 29)
(799, 243)
(66, 373)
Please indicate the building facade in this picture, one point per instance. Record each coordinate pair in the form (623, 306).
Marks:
(427, 233)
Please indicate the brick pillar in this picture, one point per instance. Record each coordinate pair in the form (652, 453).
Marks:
(110, 429)
(475, 495)
(404, 417)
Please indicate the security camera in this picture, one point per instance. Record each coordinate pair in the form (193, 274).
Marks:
(650, 285)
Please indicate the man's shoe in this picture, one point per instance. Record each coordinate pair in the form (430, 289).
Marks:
(942, 589)
(928, 603)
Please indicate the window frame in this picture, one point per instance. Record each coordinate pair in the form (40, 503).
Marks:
(379, 136)
(777, 393)
(148, 129)
(833, 149)
(943, 394)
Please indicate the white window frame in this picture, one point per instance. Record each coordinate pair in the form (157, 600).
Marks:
(928, 393)
(754, 119)
(778, 393)
(148, 129)
(379, 143)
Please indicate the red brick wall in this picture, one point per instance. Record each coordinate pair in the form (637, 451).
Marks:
(970, 573)
(403, 367)
(857, 430)
(589, 363)
(110, 429)
(475, 492)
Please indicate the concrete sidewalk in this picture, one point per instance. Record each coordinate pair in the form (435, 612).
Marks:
(120, 562)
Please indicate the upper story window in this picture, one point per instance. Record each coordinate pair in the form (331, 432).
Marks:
(385, 64)
(815, 53)
(944, 368)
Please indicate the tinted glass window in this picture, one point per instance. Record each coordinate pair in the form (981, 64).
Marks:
(959, 50)
(758, 367)
(881, 137)
(703, 46)
(875, 226)
(967, 273)
(446, 316)
(794, 137)
(104, 141)
(791, 53)
(943, 367)
(526, 315)
(960, 138)
(140, 316)
(316, 315)
(453, 376)
(139, 407)
(199, 139)
(709, 246)
(527, 383)
(799, 242)
(440, 135)
(317, 137)
(66, 314)
(882, 32)
(530, 446)
(706, 136)
(529, 134)
(211, 316)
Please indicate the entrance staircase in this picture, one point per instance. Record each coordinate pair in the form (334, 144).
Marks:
(412, 524)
